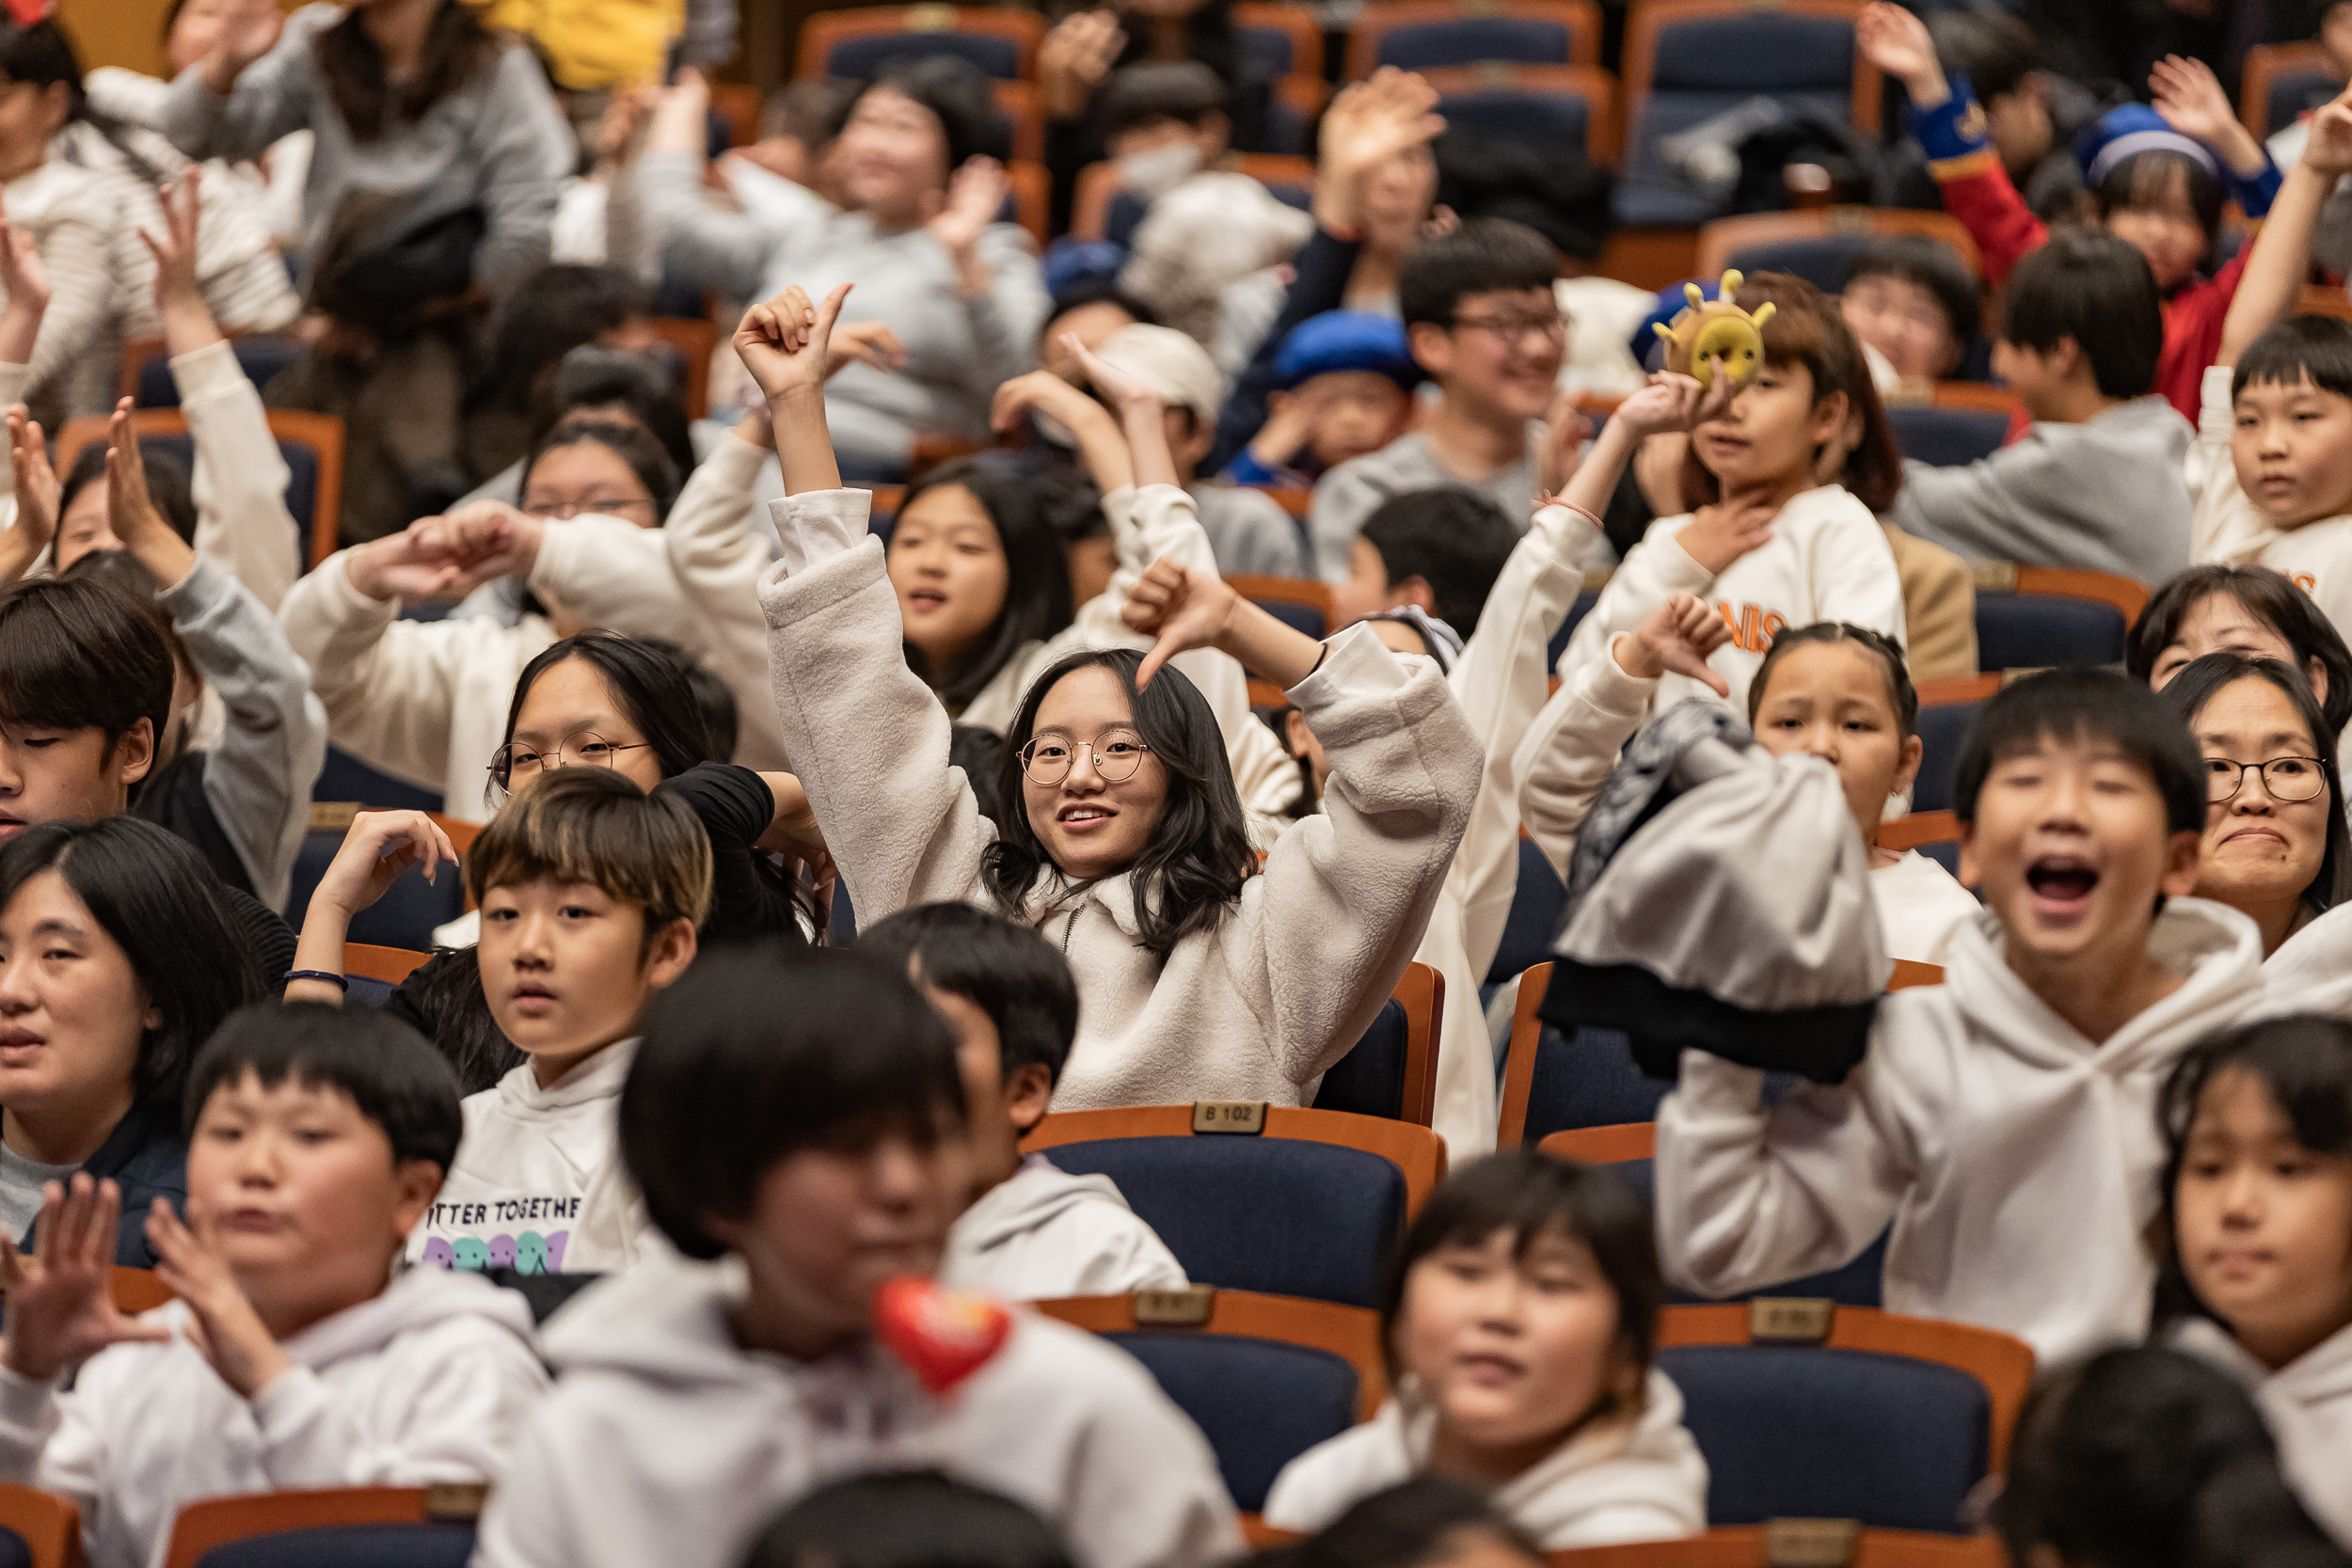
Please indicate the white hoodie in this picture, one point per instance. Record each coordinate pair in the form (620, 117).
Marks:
(2016, 1160)
(538, 1183)
(1042, 1234)
(427, 1381)
(666, 1443)
(1603, 1486)
(2307, 1403)
(2228, 530)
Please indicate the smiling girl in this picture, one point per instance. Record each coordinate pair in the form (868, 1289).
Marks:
(1518, 1321)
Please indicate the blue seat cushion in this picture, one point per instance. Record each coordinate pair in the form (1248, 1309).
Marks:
(302, 479)
(425, 1545)
(2033, 631)
(861, 57)
(14, 1552)
(1469, 41)
(1370, 1079)
(2297, 91)
(1820, 260)
(1943, 732)
(1947, 438)
(260, 357)
(1534, 915)
(1280, 1215)
(403, 917)
(1260, 1402)
(344, 777)
(1269, 48)
(1297, 616)
(1587, 1079)
(1802, 1432)
(1557, 121)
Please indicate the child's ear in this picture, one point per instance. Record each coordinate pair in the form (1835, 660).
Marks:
(1433, 348)
(1414, 591)
(2183, 856)
(1970, 875)
(1294, 731)
(135, 753)
(1217, 134)
(418, 1183)
(1908, 769)
(1027, 1092)
(672, 950)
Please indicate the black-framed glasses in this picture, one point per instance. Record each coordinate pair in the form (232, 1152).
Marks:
(1116, 753)
(600, 506)
(1514, 327)
(2284, 779)
(581, 748)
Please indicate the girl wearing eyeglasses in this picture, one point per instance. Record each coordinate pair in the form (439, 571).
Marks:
(1200, 976)
(2275, 847)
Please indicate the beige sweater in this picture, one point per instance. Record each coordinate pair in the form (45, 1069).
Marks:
(1257, 1008)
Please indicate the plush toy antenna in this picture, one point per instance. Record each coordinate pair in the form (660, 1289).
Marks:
(1717, 332)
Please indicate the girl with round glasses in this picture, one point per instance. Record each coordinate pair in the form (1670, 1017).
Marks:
(2275, 846)
(1201, 976)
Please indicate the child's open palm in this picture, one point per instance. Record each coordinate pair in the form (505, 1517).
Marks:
(1898, 43)
(2190, 97)
(23, 275)
(1672, 401)
(975, 196)
(174, 249)
(784, 342)
(227, 1330)
(2330, 148)
(61, 1305)
(35, 481)
(1677, 638)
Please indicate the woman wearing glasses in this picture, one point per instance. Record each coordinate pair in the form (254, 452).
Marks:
(2276, 848)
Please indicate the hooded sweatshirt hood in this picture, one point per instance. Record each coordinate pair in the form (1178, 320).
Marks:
(2308, 1404)
(1043, 1233)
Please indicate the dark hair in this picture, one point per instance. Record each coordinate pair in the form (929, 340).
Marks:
(805, 111)
(763, 1050)
(557, 308)
(1808, 329)
(1453, 538)
(1140, 95)
(909, 1519)
(126, 576)
(2142, 181)
(1010, 971)
(2303, 1063)
(1412, 1524)
(2073, 704)
(42, 56)
(154, 896)
(1199, 855)
(449, 997)
(1529, 1193)
(2317, 349)
(714, 700)
(1092, 289)
(2203, 678)
(170, 485)
(457, 48)
(1987, 43)
(648, 685)
(2272, 598)
(79, 654)
(953, 90)
(1929, 264)
(1036, 574)
(594, 377)
(593, 826)
(1483, 256)
(982, 756)
(2150, 1458)
(633, 444)
(2097, 290)
(385, 1069)
(1902, 695)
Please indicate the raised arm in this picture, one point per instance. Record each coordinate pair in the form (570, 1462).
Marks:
(727, 251)
(526, 152)
(2271, 286)
(251, 89)
(377, 848)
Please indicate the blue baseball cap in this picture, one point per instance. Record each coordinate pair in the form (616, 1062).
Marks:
(2130, 129)
(1345, 340)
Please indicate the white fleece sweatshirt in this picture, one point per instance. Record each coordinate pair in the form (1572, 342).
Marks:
(2228, 528)
(2016, 1160)
(1607, 1485)
(1256, 1008)
(2308, 1404)
(1042, 1234)
(1827, 560)
(665, 1442)
(538, 1184)
(427, 1381)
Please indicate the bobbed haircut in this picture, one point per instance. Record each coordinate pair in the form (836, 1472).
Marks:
(2272, 598)
(763, 1050)
(594, 377)
(2096, 288)
(2317, 349)
(170, 483)
(371, 1059)
(956, 93)
(1929, 264)
(1807, 329)
(2151, 1458)
(2304, 1062)
(633, 444)
(1481, 256)
(79, 654)
(1425, 1520)
(1902, 695)
(1037, 572)
(592, 826)
(2087, 705)
(2206, 678)
(910, 1519)
(154, 896)
(1193, 866)
(1451, 537)
(1140, 95)
(1009, 971)
(1531, 1195)
(2145, 182)
(646, 680)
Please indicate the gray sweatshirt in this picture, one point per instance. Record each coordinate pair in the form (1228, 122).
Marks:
(498, 139)
(2107, 495)
(1354, 491)
(959, 349)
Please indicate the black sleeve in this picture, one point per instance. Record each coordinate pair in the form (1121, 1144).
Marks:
(266, 936)
(749, 896)
(411, 1001)
(1321, 266)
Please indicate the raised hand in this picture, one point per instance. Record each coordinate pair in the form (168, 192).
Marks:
(1670, 401)
(229, 1331)
(1898, 43)
(974, 198)
(1043, 391)
(1677, 637)
(2188, 94)
(61, 1305)
(784, 342)
(245, 37)
(379, 848)
(37, 487)
(1181, 609)
(1366, 124)
(2329, 149)
(488, 540)
(1123, 391)
(22, 271)
(1722, 533)
(1075, 59)
(868, 343)
(174, 249)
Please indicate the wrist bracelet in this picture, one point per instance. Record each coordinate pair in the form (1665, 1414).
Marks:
(340, 982)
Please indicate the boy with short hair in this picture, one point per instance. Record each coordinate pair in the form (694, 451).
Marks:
(2003, 1121)
(800, 1116)
(2030, 113)
(2095, 481)
(1441, 549)
(1034, 1234)
(590, 891)
(1344, 388)
(1910, 299)
(1481, 321)
(296, 1357)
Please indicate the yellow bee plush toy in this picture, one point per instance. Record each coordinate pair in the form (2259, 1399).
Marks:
(1708, 332)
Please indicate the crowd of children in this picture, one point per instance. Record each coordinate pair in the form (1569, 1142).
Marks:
(933, 741)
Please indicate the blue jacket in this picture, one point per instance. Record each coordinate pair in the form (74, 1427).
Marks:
(144, 1156)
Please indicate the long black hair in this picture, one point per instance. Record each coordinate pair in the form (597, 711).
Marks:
(649, 685)
(41, 56)
(2202, 679)
(153, 894)
(457, 48)
(2272, 598)
(1037, 573)
(1199, 854)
